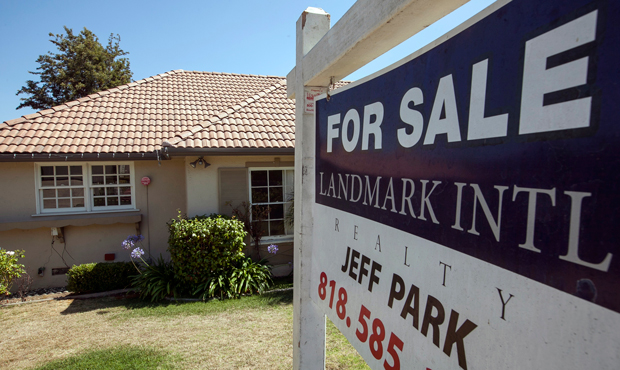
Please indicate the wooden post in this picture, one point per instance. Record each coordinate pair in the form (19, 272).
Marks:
(308, 319)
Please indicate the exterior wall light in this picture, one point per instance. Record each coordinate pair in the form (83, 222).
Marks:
(199, 162)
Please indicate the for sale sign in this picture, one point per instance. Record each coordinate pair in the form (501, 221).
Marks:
(467, 201)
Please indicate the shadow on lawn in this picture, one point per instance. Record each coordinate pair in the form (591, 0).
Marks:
(132, 302)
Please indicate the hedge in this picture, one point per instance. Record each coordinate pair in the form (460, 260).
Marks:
(204, 244)
(100, 277)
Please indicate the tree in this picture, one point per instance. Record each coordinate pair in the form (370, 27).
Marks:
(82, 67)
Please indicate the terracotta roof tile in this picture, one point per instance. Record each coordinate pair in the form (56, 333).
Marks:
(185, 109)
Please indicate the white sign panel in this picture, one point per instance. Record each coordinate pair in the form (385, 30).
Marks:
(466, 209)
(405, 302)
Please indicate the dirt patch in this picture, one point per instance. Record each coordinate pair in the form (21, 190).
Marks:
(33, 297)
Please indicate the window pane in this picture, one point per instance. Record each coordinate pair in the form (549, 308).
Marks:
(277, 227)
(47, 204)
(50, 193)
(112, 191)
(264, 225)
(47, 171)
(125, 201)
(276, 211)
(77, 192)
(110, 170)
(275, 178)
(78, 202)
(259, 178)
(98, 191)
(123, 168)
(110, 180)
(62, 170)
(97, 170)
(125, 190)
(76, 170)
(62, 181)
(123, 179)
(76, 181)
(275, 194)
(64, 203)
(97, 180)
(112, 201)
(259, 195)
(260, 212)
(47, 181)
(64, 193)
(99, 202)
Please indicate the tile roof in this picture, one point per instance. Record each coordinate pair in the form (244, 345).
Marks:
(182, 109)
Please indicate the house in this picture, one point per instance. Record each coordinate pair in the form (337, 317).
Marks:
(72, 177)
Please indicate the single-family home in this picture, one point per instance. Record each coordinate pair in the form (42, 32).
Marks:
(77, 179)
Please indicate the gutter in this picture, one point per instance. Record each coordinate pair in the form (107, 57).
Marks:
(183, 152)
(74, 157)
(166, 153)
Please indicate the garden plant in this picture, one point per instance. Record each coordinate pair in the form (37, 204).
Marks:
(207, 261)
(10, 270)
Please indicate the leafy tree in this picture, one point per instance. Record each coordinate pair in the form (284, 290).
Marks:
(82, 67)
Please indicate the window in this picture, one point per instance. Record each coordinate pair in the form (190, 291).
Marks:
(270, 191)
(84, 187)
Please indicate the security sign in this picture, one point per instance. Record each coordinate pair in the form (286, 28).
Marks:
(467, 201)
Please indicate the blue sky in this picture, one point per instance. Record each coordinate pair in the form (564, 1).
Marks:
(236, 36)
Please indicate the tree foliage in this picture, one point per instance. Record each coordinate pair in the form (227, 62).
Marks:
(81, 67)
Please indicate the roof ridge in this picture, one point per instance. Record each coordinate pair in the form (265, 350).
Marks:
(224, 114)
(233, 74)
(73, 103)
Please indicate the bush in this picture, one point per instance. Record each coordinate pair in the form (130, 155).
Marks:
(157, 281)
(204, 244)
(99, 277)
(246, 278)
(10, 270)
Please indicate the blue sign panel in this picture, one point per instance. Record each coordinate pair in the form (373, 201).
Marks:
(501, 143)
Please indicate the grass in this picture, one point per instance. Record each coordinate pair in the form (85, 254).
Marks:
(111, 333)
(121, 358)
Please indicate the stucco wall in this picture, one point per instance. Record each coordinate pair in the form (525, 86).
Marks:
(202, 183)
(19, 229)
(17, 191)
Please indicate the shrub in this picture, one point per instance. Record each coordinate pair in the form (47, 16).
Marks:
(99, 277)
(251, 277)
(246, 278)
(157, 281)
(10, 270)
(203, 244)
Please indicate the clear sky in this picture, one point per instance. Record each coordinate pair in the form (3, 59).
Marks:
(236, 36)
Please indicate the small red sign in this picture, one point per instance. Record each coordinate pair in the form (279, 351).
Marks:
(145, 181)
(312, 92)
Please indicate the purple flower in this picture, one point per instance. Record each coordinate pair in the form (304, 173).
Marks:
(272, 248)
(137, 253)
(131, 241)
(128, 243)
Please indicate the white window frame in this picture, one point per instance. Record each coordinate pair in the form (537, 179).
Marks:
(87, 181)
(288, 232)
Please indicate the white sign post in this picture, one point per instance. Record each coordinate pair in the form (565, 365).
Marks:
(308, 319)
